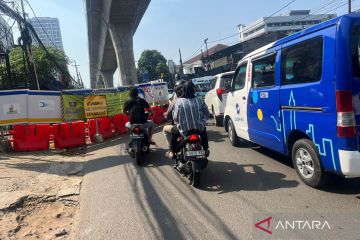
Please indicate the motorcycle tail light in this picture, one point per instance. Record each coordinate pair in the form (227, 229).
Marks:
(137, 130)
(194, 138)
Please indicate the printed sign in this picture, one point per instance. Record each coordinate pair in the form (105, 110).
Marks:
(13, 107)
(115, 102)
(44, 106)
(95, 106)
(160, 93)
(10, 109)
(264, 95)
(72, 107)
(156, 93)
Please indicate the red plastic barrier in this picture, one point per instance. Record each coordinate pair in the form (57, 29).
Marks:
(119, 121)
(32, 137)
(68, 135)
(158, 116)
(105, 128)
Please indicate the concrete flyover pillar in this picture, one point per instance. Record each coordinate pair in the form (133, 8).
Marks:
(122, 38)
(107, 77)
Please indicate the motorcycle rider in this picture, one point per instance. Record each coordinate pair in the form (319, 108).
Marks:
(178, 90)
(135, 108)
(190, 113)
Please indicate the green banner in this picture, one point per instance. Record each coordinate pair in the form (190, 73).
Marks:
(115, 102)
(72, 107)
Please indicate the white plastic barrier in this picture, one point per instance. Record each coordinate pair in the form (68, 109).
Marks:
(44, 106)
(13, 107)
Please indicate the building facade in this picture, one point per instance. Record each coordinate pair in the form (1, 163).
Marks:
(6, 36)
(294, 21)
(48, 30)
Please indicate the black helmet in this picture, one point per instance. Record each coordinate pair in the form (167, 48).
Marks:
(179, 88)
(189, 89)
(179, 83)
(134, 92)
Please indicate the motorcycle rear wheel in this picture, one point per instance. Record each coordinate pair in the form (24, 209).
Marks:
(138, 158)
(195, 179)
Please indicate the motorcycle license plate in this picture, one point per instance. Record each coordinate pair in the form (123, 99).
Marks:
(195, 153)
(137, 136)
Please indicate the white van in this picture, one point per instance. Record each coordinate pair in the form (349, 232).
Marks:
(215, 98)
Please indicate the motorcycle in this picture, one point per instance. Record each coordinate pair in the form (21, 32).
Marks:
(139, 144)
(191, 158)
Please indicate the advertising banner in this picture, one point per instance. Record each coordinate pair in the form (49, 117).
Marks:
(72, 107)
(44, 107)
(154, 93)
(146, 92)
(115, 102)
(95, 106)
(13, 107)
(160, 93)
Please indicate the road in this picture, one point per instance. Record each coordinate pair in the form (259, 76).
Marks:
(120, 200)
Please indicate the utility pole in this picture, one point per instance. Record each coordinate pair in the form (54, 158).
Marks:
(207, 50)
(181, 65)
(350, 6)
(78, 76)
(25, 35)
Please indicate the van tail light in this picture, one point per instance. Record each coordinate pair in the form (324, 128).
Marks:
(346, 124)
(194, 138)
(220, 91)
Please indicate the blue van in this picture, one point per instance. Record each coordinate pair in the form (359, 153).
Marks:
(300, 96)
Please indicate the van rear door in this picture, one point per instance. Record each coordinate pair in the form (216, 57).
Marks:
(355, 83)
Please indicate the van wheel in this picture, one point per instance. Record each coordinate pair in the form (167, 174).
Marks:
(307, 164)
(232, 134)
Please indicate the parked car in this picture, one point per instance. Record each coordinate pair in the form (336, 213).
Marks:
(215, 98)
(300, 96)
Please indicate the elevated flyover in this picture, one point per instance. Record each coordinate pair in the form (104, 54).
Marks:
(111, 25)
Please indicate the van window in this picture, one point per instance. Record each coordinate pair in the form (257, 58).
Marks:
(302, 63)
(264, 72)
(226, 81)
(239, 80)
(355, 53)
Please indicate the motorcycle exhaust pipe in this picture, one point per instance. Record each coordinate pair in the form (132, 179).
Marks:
(144, 148)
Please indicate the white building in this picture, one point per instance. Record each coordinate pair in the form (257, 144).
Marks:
(48, 30)
(294, 21)
(6, 36)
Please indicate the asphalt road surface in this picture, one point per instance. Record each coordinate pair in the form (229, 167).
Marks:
(120, 200)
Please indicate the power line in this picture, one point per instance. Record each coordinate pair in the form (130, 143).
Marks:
(260, 23)
(233, 35)
(40, 24)
(219, 40)
(7, 30)
(196, 51)
(16, 16)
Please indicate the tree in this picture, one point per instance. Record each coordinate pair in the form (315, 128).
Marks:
(154, 63)
(47, 70)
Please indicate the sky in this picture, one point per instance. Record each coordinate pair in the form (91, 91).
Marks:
(172, 24)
